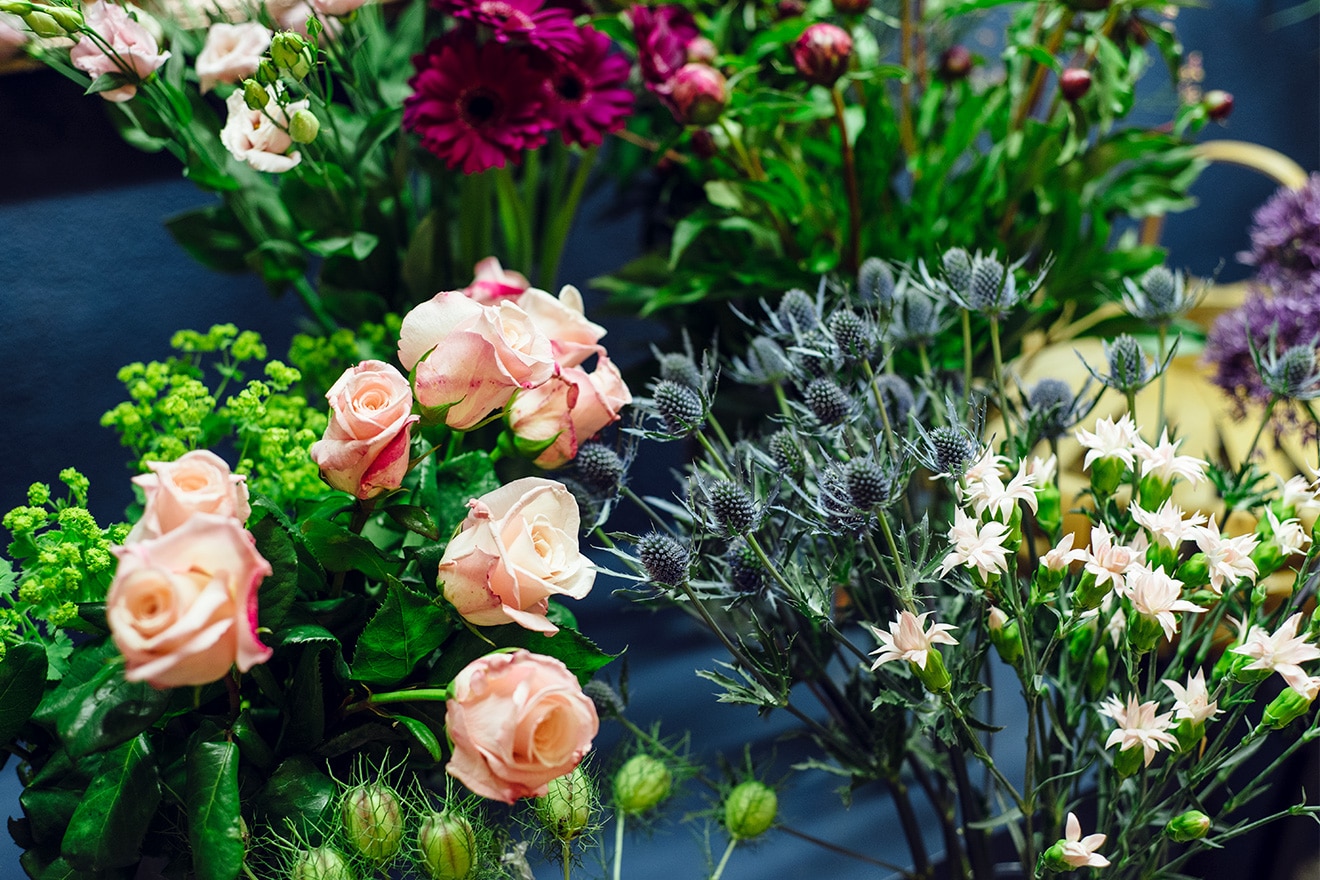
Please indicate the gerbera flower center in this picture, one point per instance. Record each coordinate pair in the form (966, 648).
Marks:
(570, 87)
(512, 18)
(480, 107)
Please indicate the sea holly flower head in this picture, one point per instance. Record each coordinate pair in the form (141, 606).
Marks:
(977, 546)
(1139, 726)
(1227, 559)
(1282, 651)
(1192, 702)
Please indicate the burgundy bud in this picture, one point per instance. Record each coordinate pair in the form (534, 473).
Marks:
(955, 63)
(701, 51)
(822, 53)
(1136, 31)
(851, 7)
(790, 8)
(700, 94)
(703, 143)
(1218, 104)
(1074, 83)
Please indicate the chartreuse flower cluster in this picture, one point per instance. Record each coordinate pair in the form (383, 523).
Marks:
(175, 406)
(857, 543)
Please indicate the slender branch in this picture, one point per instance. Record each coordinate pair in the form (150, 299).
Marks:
(853, 253)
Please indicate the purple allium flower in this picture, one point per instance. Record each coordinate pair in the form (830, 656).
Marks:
(1285, 240)
(589, 98)
(546, 27)
(477, 107)
(662, 34)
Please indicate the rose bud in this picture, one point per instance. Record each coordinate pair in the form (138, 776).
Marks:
(851, 7)
(565, 808)
(702, 143)
(373, 821)
(702, 51)
(750, 809)
(304, 127)
(447, 845)
(640, 784)
(955, 63)
(1074, 83)
(700, 94)
(790, 8)
(1218, 104)
(822, 54)
(365, 448)
(323, 863)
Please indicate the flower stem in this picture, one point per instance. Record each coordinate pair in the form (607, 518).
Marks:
(853, 254)
(552, 245)
(1264, 420)
(416, 695)
(312, 301)
(619, 816)
(967, 353)
(999, 382)
(1164, 333)
(724, 860)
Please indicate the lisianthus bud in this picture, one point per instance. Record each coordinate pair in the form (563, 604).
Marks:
(1074, 83)
(15, 7)
(255, 95)
(1218, 104)
(1192, 825)
(565, 808)
(1005, 635)
(323, 863)
(955, 63)
(304, 127)
(292, 53)
(266, 74)
(641, 783)
(69, 19)
(822, 53)
(373, 821)
(42, 24)
(1286, 708)
(750, 809)
(700, 50)
(700, 93)
(447, 846)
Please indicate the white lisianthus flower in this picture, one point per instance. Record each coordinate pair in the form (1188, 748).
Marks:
(261, 137)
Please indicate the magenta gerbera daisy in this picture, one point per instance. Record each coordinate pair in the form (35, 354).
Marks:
(545, 26)
(587, 91)
(477, 107)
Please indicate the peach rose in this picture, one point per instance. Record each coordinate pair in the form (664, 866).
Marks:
(517, 547)
(336, 7)
(182, 608)
(135, 53)
(492, 282)
(232, 52)
(365, 448)
(252, 136)
(517, 721)
(573, 338)
(195, 482)
(570, 408)
(471, 357)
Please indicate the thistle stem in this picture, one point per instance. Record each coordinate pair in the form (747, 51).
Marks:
(724, 860)
(967, 353)
(1264, 420)
(1164, 333)
(999, 382)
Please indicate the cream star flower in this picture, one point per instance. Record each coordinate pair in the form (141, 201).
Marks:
(1289, 535)
(1078, 851)
(906, 640)
(976, 547)
(992, 494)
(1061, 556)
(1193, 703)
(1229, 559)
(1163, 461)
(1282, 651)
(1168, 524)
(1156, 595)
(1139, 725)
(1043, 469)
(1110, 439)
(1106, 560)
(1299, 494)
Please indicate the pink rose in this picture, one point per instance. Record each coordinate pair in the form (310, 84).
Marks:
(365, 448)
(196, 482)
(573, 338)
(517, 721)
(182, 608)
(336, 7)
(517, 547)
(135, 53)
(232, 52)
(571, 407)
(252, 136)
(471, 357)
(492, 282)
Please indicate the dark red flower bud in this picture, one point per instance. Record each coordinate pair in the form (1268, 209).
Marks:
(955, 63)
(790, 8)
(851, 7)
(701, 51)
(703, 143)
(700, 94)
(1218, 104)
(822, 53)
(1074, 82)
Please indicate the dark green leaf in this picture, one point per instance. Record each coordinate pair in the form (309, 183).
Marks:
(406, 629)
(214, 832)
(106, 830)
(22, 685)
(298, 793)
(304, 705)
(102, 712)
(423, 733)
(339, 549)
(450, 486)
(51, 798)
(275, 542)
(414, 519)
(105, 82)
(380, 127)
(212, 236)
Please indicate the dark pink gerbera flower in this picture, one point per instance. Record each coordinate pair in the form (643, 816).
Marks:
(477, 107)
(662, 34)
(547, 27)
(587, 91)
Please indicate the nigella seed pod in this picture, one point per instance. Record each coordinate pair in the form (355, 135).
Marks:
(373, 821)
(447, 845)
(565, 809)
(957, 264)
(322, 863)
(746, 575)
(666, 561)
(875, 282)
(598, 467)
(681, 369)
(954, 450)
(798, 310)
(898, 400)
(851, 333)
(750, 809)
(868, 484)
(1127, 364)
(733, 508)
(826, 400)
(679, 407)
(786, 450)
(989, 285)
(1074, 83)
(641, 784)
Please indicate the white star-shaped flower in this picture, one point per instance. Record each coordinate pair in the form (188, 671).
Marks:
(992, 494)
(976, 546)
(1289, 535)
(1169, 524)
(1110, 439)
(1106, 560)
(1139, 725)
(1061, 556)
(1163, 460)
(1299, 494)
(907, 640)
(1229, 559)
(1193, 703)
(1078, 851)
(1282, 651)
(1156, 595)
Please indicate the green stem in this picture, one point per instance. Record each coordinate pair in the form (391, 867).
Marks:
(618, 845)
(724, 860)
(884, 412)
(514, 216)
(312, 301)
(1264, 420)
(853, 254)
(1164, 333)
(632, 496)
(967, 354)
(566, 855)
(979, 750)
(999, 383)
(415, 695)
(552, 244)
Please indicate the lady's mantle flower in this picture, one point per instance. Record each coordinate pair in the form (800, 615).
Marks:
(1078, 851)
(589, 98)
(1282, 651)
(1168, 524)
(1110, 440)
(1228, 559)
(1155, 595)
(976, 546)
(1163, 462)
(1138, 725)
(907, 640)
(476, 106)
(1192, 703)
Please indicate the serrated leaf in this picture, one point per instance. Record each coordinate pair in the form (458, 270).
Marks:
(214, 825)
(448, 488)
(107, 828)
(406, 629)
(22, 685)
(275, 543)
(415, 519)
(338, 549)
(298, 792)
(102, 712)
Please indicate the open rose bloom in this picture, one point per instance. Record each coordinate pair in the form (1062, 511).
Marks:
(517, 721)
(135, 52)
(182, 608)
(569, 409)
(196, 482)
(365, 448)
(517, 547)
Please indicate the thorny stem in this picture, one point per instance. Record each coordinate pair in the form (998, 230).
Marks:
(852, 254)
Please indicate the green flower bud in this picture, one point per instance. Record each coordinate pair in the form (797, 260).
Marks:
(292, 53)
(373, 820)
(266, 74)
(1194, 572)
(69, 19)
(304, 127)
(641, 783)
(1267, 557)
(1160, 554)
(42, 24)
(1153, 491)
(255, 95)
(750, 809)
(1189, 735)
(1053, 858)
(1129, 761)
(1006, 636)
(447, 846)
(935, 676)
(15, 7)
(1090, 593)
(1049, 509)
(1097, 672)
(1286, 708)
(323, 863)
(565, 808)
(1107, 475)
(1143, 633)
(1192, 825)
